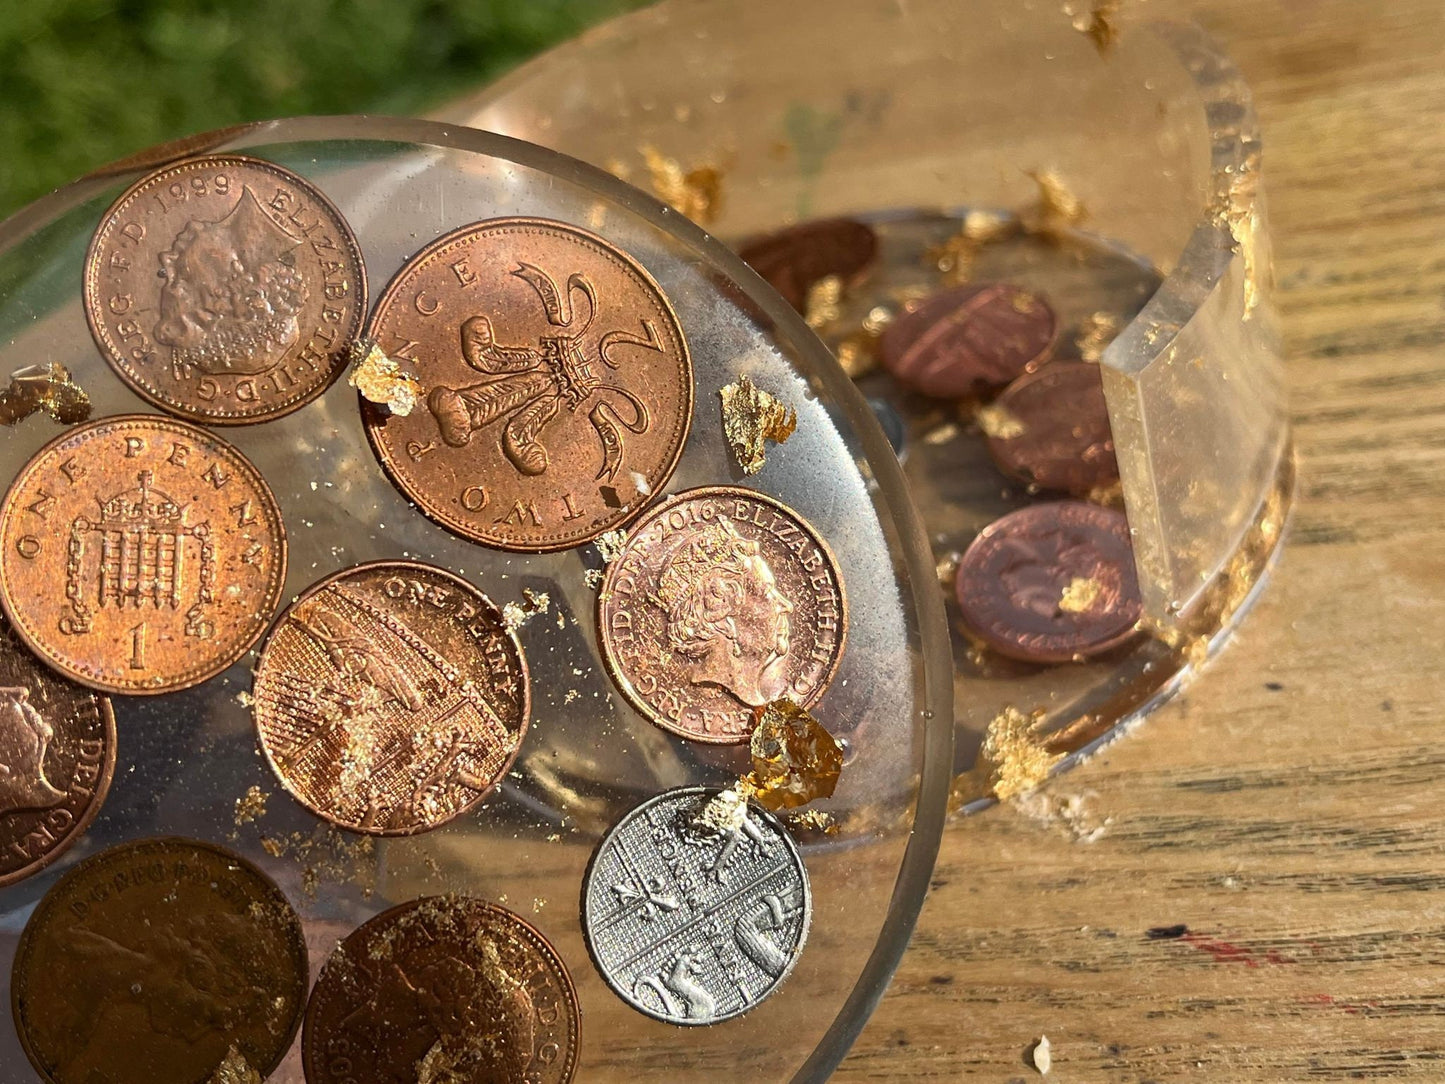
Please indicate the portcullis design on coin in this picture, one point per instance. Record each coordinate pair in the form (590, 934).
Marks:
(722, 600)
(1051, 582)
(57, 755)
(140, 554)
(689, 924)
(391, 697)
(225, 289)
(441, 989)
(559, 387)
(158, 961)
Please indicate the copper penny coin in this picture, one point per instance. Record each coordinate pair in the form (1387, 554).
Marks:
(391, 697)
(721, 600)
(443, 988)
(559, 387)
(1051, 582)
(225, 289)
(159, 960)
(57, 755)
(792, 260)
(968, 339)
(140, 554)
(1064, 441)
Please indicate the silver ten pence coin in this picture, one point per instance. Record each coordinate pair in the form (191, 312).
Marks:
(692, 925)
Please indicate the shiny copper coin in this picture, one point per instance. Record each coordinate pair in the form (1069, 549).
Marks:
(391, 697)
(57, 755)
(443, 989)
(968, 339)
(1051, 582)
(559, 387)
(1057, 434)
(140, 554)
(152, 962)
(225, 289)
(792, 260)
(722, 600)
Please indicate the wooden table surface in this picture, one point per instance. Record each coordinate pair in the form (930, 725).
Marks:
(1251, 887)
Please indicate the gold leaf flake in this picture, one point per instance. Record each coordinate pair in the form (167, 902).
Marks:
(814, 820)
(696, 192)
(1012, 760)
(43, 387)
(856, 356)
(824, 302)
(997, 422)
(1099, 23)
(251, 806)
(1080, 595)
(724, 811)
(235, 1069)
(750, 417)
(1096, 331)
(381, 380)
(517, 614)
(609, 544)
(795, 759)
(1057, 209)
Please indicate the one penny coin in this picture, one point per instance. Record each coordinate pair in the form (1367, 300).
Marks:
(1051, 582)
(57, 755)
(140, 554)
(444, 988)
(225, 289)
(722, 600)
(159, 960)
(559, 387)
(391, 697)
(969, 339)
(792, 260)
(1059, 437)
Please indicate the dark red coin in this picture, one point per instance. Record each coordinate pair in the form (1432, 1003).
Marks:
(969, 339)
(1051, 582)
(792, 260)
(1056, 433)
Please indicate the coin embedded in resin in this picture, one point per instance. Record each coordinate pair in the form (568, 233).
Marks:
(446, 988)
(391, 697)
(57, 756)
(692, 923)
(139, 554)
(722, 600)
(225, 289)
(1058, 437)
(159, 960)
(559, 386)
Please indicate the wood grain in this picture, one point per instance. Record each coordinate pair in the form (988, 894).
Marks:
(1252, 886)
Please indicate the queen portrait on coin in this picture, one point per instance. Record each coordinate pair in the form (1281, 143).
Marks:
(24, 739)
(725, 613)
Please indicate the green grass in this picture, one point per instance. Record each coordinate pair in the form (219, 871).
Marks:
(83, 82)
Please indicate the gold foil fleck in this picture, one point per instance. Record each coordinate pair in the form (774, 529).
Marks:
(1080, 595)
(795, 759)
(726, 810)
(1096, 331)
(695, 192)
(812, 820)
(251, 806)
(609, 544)
(858, 354)
(997, 422)
(1099, 23)
(750, 417)
(1110, 496)
(946, 567)
(824, 302)
(381, 380)
(941, 434)
(1056, 211)
(1013, 759)
(235, 1069)
(516, 614)
(43, 387)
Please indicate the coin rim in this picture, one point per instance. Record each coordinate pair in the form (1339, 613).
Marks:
(115, 358)
(793, 849)
(1012, 650)
(391, 915)
(604, 595)
(999, 447)
(372, 416)
(102, 788)
(200, 436)
(297, 928)
(345, 573)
